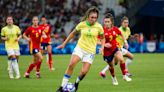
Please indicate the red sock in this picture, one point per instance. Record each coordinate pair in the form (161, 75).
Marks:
(30, 68)
(123, 69)
(50, 60)
(38, 65)
(112, 71)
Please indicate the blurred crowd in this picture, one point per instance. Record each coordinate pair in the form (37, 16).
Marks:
(61, 14)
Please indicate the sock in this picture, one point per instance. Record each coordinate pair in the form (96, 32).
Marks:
(38, 65)
(127, 62)
(112, 71)
(65, 79)
(47, 57)
(15, 66)
(30, 68)
(105, 69)
(79, 78)
(10, 68)
(9, 64)
(50, 60)
(123, 69)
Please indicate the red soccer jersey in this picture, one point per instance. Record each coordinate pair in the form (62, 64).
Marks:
(110, 37)
(35, 35)
(47, 30)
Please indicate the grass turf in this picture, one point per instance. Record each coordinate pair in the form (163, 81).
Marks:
(148, 71)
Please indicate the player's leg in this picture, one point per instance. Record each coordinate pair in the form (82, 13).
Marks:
(110, 61)
(84, 70)
(16, 65)
(87, 61)
(50, 61)
(73, 62)
(39, 59)
(33, 63)
(103, 72)
(12, 58)
(119, 56)
(128, 61)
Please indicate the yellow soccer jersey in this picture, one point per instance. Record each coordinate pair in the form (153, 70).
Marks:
(126, 32)
(89, 34)
(11, 32)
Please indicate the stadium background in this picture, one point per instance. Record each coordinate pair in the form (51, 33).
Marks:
(146, 17)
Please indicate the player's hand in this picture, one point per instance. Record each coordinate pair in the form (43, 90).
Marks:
(17, 39)
(101, 50)
(107, 45)
(5, 38)
(60, 46)
(28, 39)
(126, 45)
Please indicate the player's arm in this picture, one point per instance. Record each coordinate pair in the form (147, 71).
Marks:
(125, 41)
(19, 37)
(3, 37)
(44, 35)
(71, 35)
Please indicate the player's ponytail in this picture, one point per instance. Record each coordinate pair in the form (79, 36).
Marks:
(89, 11)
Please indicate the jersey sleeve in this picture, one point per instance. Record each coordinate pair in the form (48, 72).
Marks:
(18, 30)
(78, 27)
(117, 30)
(27, 31)
(101, 30)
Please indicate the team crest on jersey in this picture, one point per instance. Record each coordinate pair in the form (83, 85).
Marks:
(39, 31)
(106, 33)
(114, 33)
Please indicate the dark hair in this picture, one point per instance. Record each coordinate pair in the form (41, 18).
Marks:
(89, 11)
(43, 16)
(109, 15)
(124, 18)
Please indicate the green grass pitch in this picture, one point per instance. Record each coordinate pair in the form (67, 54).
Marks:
(148, 71)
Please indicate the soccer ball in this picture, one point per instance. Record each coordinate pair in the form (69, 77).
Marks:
(69, 87)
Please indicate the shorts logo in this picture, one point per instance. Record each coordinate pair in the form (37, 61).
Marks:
(91, 56)
(36, 50)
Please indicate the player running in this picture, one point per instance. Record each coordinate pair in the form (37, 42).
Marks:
(86, 46)
(125, 30)
(33, 34)
(11, 35)
(111, 49)
(46, 42)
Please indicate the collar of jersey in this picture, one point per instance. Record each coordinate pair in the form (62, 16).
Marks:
(124, 29)
(88, 24)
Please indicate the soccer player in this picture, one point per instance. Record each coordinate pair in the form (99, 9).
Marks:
(111, 49)
(33, 34)
(86, 46)
(124, 28)
(11, 35)
(46, 42)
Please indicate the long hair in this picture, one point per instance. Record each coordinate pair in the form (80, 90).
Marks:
(89, 11)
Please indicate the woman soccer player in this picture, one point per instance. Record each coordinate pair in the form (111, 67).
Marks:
(11, 35)
(125, 30)
(46, 42)
(33, 34)
(86, 46)
(111, 49)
